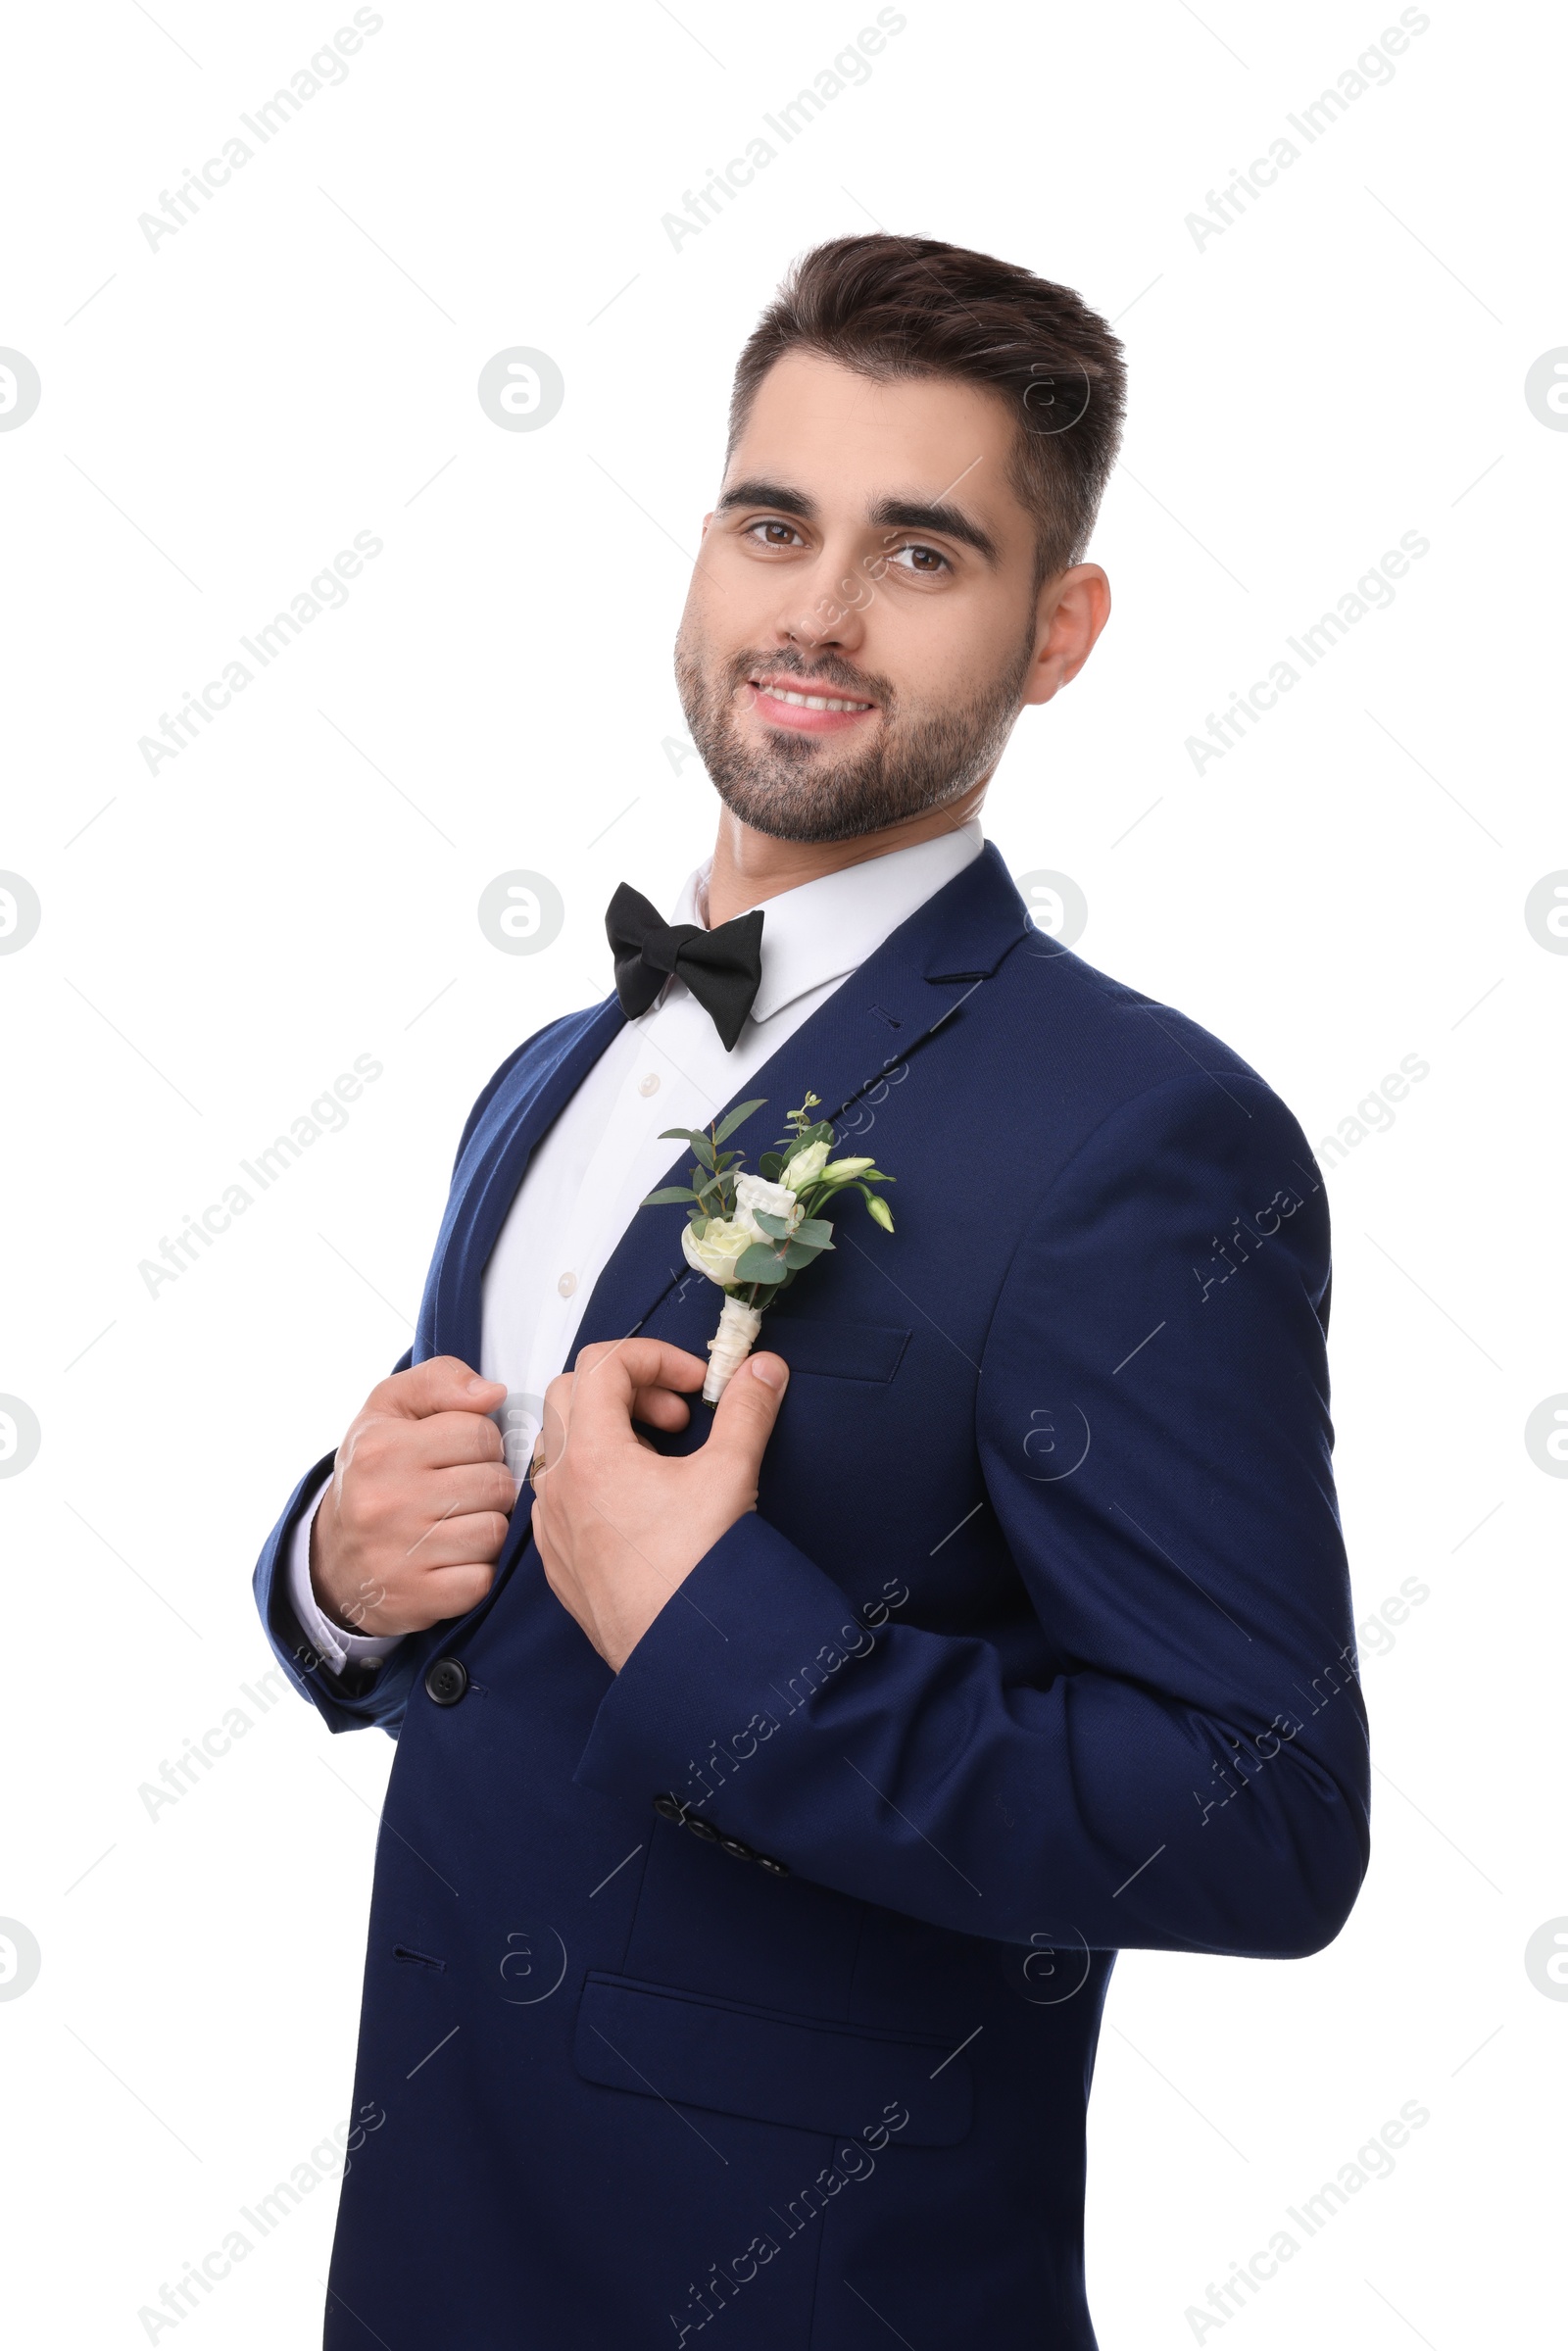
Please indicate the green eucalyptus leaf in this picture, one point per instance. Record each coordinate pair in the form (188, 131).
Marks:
(759, 1264)
(776, 1225)
(770, 1166)
(815, 1230)
(800, 1252)
(692, 1135)
(737, 1117)
(672, 1191)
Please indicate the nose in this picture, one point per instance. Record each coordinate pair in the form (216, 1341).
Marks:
(826, 611)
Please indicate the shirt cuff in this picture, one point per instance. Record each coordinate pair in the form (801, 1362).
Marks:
(338, 1646)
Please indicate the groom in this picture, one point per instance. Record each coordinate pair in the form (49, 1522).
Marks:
(775, 1785)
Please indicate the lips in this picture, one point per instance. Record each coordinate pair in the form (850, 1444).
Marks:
(805, 705)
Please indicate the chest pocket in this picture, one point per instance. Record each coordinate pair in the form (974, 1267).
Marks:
(834, 1350)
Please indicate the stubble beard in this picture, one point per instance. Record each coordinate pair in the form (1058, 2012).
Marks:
(803, 788)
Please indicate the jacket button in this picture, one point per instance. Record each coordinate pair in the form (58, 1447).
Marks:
(737, 1851)
(446, 1681)
(703, 1829)
(774, 1868)
(670, 1808)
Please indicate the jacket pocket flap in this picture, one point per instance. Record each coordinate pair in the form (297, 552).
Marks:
(837, 2080)
(842, 1351)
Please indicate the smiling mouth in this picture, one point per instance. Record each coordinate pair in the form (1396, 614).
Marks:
(808, 702)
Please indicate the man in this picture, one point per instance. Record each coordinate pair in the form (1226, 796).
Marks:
(776, 1784)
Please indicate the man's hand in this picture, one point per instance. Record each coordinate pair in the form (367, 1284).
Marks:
(409, 1530)
(620, 1527)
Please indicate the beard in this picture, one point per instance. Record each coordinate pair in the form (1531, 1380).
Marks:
(799, 788)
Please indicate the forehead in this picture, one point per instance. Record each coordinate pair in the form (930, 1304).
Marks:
(849, 440)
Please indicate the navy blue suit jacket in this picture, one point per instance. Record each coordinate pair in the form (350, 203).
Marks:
(1038, 1646)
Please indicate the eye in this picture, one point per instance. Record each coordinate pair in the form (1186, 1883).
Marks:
(927, 562)
(769, 532)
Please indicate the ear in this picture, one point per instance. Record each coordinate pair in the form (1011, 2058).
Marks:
(1075, 606)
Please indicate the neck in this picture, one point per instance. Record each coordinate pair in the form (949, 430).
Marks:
(750, 866)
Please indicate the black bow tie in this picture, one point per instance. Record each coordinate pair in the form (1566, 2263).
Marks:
(722, 969)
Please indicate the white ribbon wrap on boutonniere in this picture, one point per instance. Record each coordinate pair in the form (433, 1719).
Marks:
(753, 1233)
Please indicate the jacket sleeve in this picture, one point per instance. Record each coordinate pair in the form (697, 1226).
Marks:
(1154, 1440)
(359, 1694)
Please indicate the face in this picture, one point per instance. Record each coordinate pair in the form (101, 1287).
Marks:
(862, 627)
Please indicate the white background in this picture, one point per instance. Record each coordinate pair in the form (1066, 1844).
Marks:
(219, 416)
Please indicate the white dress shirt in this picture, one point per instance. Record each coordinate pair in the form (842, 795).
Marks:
(668, 1068)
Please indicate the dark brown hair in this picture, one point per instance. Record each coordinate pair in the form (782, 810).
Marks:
(900, 307)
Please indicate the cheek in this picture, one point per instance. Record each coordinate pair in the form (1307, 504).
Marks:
(941, 649)
(729, 605)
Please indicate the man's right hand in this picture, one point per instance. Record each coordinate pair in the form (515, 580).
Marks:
(407, 1532)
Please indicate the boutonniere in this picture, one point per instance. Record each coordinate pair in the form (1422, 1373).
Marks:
(753, 1233)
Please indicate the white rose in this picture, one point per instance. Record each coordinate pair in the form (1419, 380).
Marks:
(774, 1199)
(806, 1166)
(716, 1253)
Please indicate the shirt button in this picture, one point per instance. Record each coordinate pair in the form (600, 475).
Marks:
(649, 1084)
(566, 1283)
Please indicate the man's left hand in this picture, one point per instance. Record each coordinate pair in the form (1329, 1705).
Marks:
(621, 1527)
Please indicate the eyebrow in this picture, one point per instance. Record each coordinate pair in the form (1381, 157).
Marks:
(914, 514)
(889, 513)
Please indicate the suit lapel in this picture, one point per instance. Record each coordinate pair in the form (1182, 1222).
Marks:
(513, 1123)
(915, 988)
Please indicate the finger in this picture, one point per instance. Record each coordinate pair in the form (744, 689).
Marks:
(557, 1400)
(441, 1383)
(451, 1592)
(550, 1442)
(611, 1376)
(746, 1411)
(459, 1539)
(661, 1407)
(479, 1486)
(445, 1441)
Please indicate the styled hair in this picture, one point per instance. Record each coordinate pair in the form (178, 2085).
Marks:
(894, 307)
